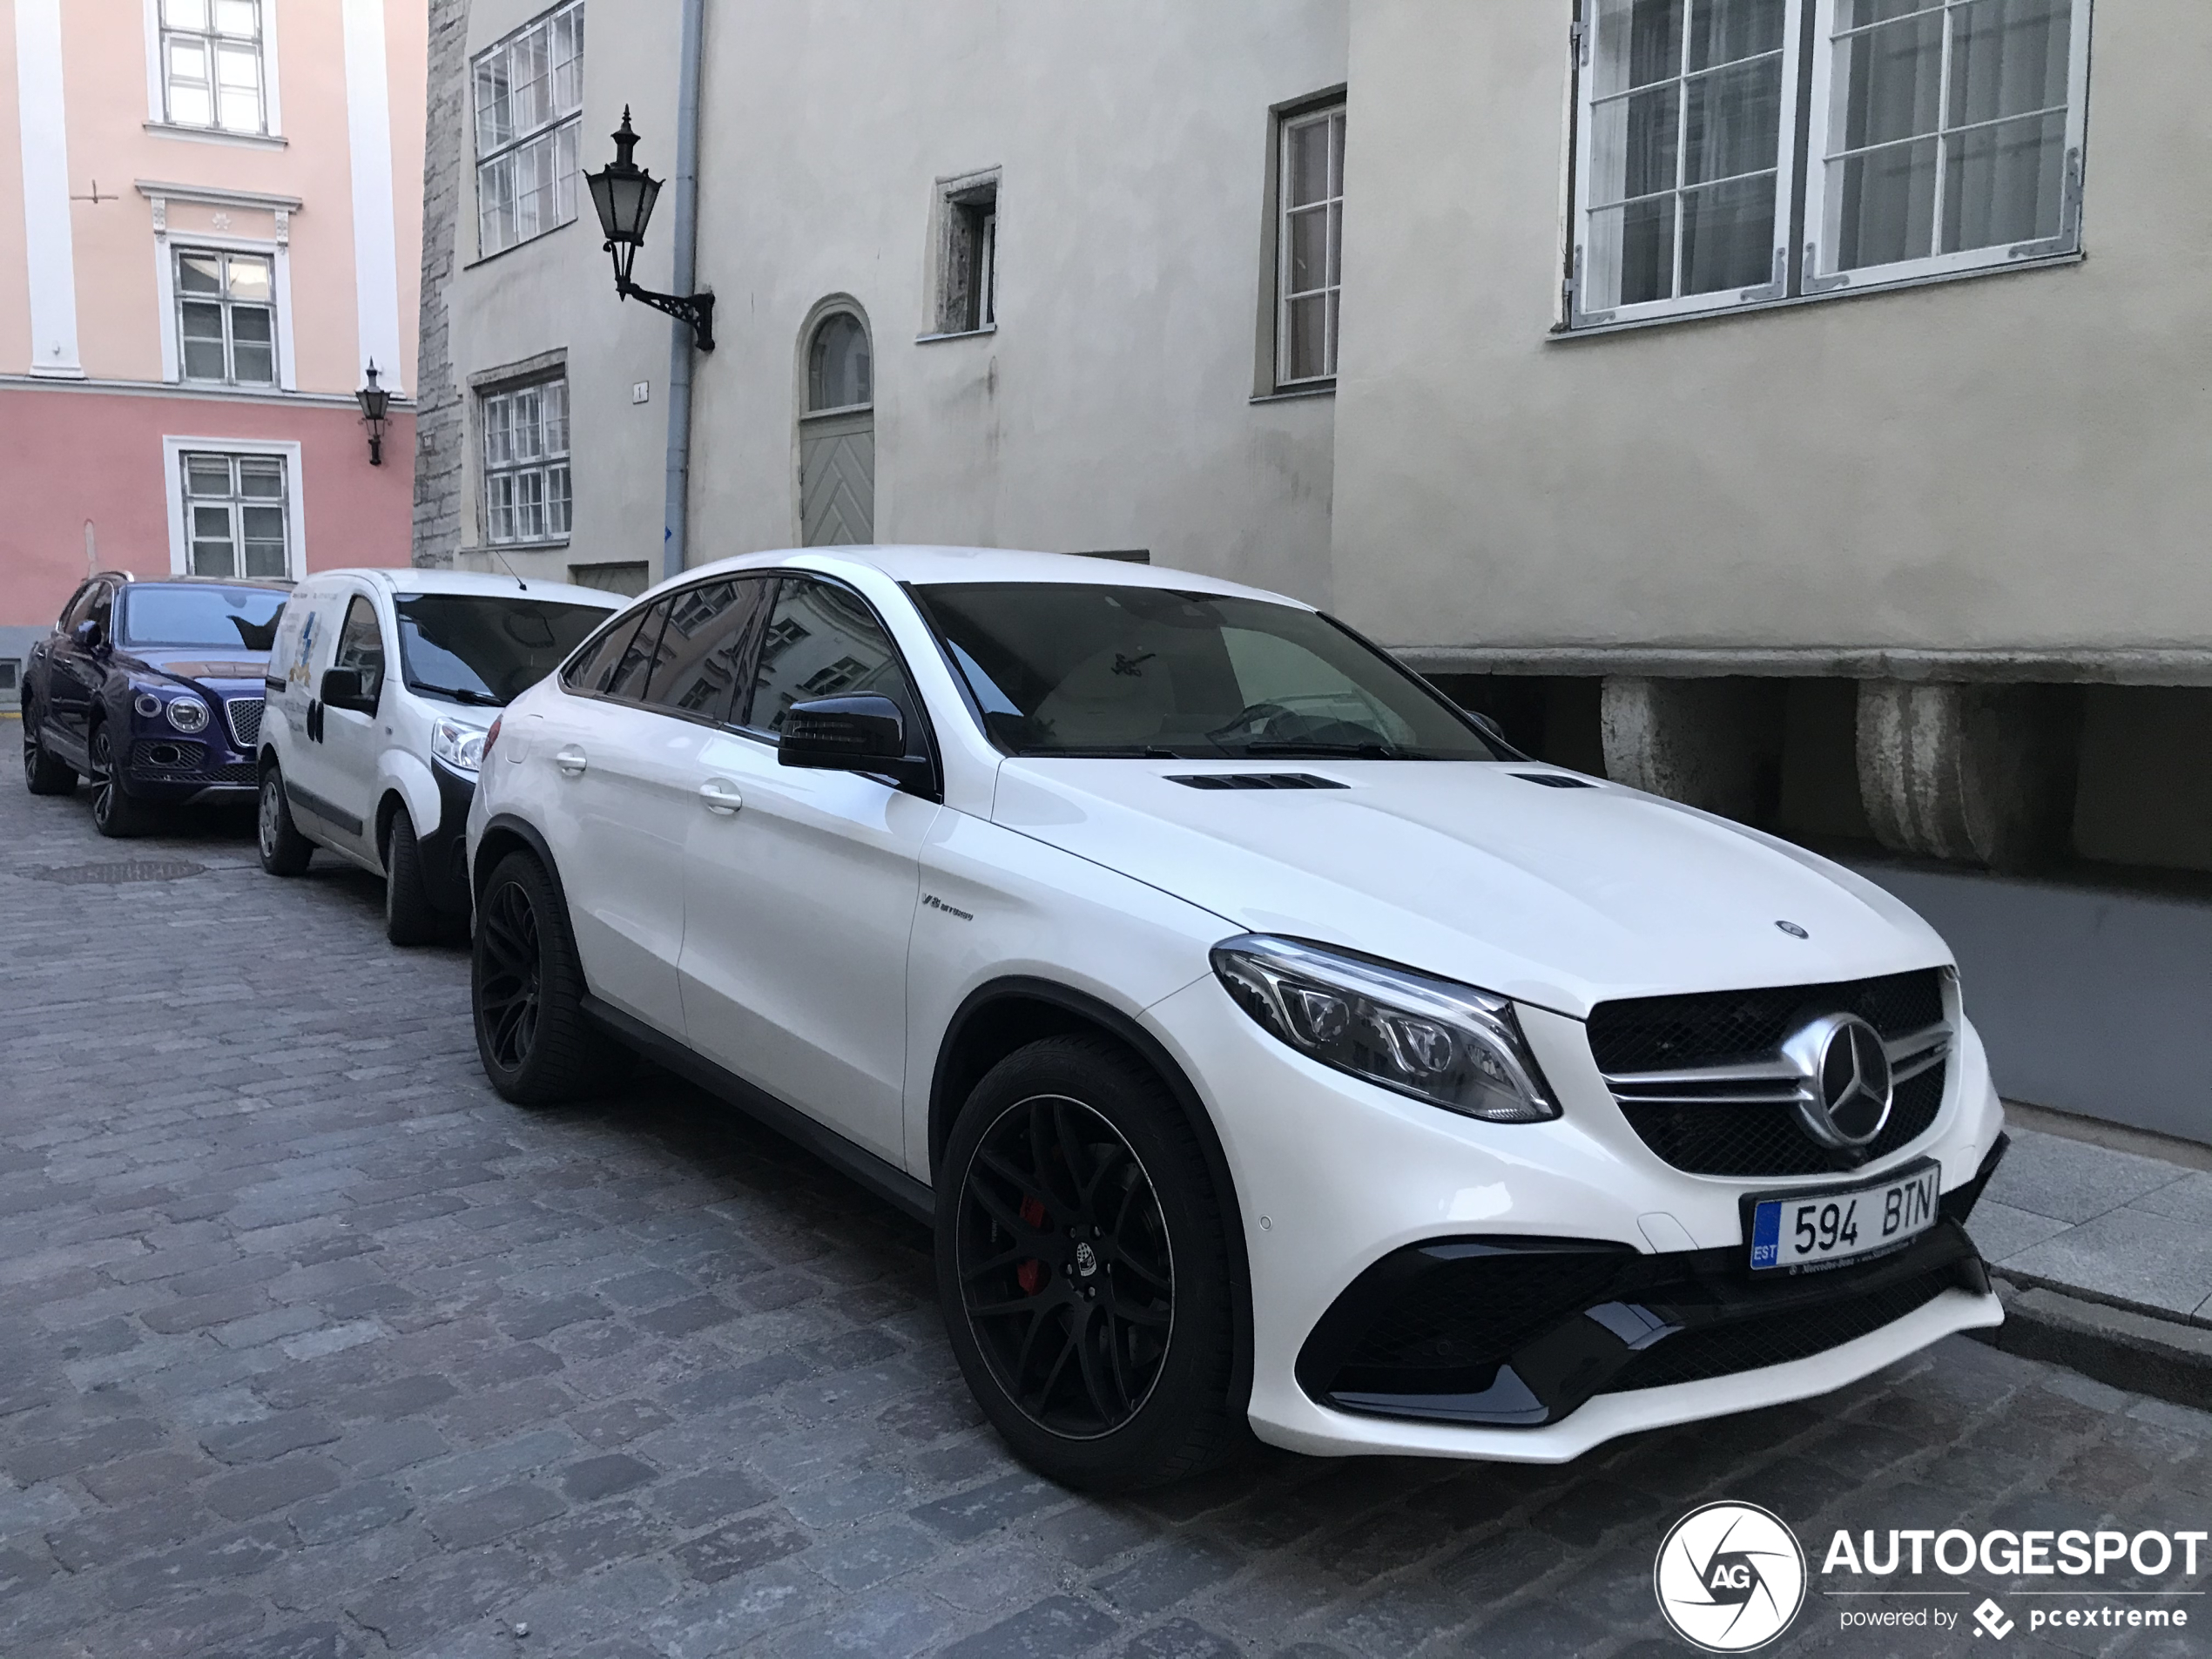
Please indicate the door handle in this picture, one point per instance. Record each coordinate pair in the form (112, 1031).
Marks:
(720, 798)
(571, 761)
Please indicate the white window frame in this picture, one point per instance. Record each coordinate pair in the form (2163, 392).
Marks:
(543, 464)
(173, 298)
(566, 124)
(281, 208)
(1332, 114)
(174, 451)
(1820, 277)
(1585, 102)
(272, 128)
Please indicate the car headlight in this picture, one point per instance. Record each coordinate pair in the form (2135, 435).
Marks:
(460, 746)
(1450, 1045)
(188, 714)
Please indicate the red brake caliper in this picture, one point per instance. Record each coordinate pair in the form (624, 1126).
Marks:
(1030, 1274)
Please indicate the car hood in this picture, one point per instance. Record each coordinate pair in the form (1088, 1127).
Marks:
(225, 668)
(1563, 898)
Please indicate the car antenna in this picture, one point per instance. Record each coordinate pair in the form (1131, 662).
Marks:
(511, 570)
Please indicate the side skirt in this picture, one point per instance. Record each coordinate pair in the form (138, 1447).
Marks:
(885, 1180)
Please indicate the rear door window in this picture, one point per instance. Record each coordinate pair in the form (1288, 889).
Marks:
(361, 646)
(633, 670)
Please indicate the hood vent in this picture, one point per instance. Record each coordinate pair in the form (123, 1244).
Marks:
(1257, 780)
(1555, 779)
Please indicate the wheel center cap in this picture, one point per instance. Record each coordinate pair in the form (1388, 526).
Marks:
(1086, 1260)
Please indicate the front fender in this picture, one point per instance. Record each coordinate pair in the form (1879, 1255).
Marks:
(403, 774)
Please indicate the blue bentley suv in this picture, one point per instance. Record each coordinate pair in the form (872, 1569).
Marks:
(152, 689)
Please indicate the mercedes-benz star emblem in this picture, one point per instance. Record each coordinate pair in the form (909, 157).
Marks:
(1846, 1089)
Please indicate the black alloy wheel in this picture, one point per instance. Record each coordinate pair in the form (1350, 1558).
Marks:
(1067, 1272)
(510, 975)
(537, 1045)
(1083, 1268)
(43, 773)
(116, 813)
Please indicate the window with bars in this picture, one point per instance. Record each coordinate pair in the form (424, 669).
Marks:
(1308, 246)
(237, 509)
(526, 463)
(226, 318)
(1940, 137)
(212, 70)
(530, 97)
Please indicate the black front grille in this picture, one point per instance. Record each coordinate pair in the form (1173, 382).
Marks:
(1717, 1027)
(1768, 1140)
(1776, 1338)
(242, 772)
(184, 758)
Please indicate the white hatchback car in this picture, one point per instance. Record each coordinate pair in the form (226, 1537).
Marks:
(380, 687)
(1266, 1042)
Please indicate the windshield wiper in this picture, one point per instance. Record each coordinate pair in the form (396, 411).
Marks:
(459, 694)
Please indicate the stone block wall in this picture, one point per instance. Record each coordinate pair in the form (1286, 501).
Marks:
(440, 428)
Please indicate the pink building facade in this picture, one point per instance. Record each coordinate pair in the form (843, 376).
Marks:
(210, 227)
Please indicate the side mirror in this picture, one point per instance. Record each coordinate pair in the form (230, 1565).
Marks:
(341, 688)
(864, 733)
(87, 633)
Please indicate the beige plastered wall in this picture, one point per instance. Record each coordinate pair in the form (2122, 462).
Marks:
(1112, 407)
(2007, 462)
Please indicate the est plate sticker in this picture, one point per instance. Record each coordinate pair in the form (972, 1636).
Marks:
(1828, 1229)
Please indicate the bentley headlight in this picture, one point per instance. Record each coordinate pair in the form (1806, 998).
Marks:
(460, 746)
(188, 714)
(1450, 1045)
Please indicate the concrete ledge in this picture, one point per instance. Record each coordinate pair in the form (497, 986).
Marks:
(2090, 665)
(2161, 1357)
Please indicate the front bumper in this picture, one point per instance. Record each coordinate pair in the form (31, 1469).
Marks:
(1335, 1177)
(174, 769)
(445, 849)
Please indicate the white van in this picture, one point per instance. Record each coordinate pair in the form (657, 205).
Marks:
(380, 686)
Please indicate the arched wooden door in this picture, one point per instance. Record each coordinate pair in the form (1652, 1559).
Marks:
(837, 435)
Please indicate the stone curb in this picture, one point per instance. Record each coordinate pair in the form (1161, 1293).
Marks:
(2165, 1358)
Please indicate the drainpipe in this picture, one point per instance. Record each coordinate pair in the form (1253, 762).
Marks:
(676, 522)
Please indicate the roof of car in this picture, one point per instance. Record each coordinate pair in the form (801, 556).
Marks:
(410, 579)
(274, 585)
(927, 565)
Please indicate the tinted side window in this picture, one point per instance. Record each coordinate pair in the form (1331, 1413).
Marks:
(103, 611)
(79, 606)
(709, 644)
(589, 671)
(634, 668)
(361, 646)
(822, 640)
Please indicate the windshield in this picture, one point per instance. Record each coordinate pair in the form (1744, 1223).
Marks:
(1062, 669)
(218, 618)
(486, 648)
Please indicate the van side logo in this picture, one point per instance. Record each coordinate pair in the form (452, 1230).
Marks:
(1730, 1577)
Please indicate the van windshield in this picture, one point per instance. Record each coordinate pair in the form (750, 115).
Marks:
(489, 648)
(206, 617)
(1070, 669)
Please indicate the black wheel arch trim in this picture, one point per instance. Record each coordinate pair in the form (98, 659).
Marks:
(497, 830)
(1147, 1047)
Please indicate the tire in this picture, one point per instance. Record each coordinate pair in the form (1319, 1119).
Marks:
(284, 850)
(43, 773)
(1136, 1293)
(409, 917)
(526, 991)
(117, 813)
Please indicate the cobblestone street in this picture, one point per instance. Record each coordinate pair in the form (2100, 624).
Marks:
(311, 1347)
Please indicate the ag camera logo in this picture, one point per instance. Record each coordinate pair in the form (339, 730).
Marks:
(1730, 1577)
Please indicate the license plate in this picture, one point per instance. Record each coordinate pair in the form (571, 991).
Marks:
(1815, 1229)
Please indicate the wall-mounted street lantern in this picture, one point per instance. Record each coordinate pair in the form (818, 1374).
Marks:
(623, 193)
(375, 402)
